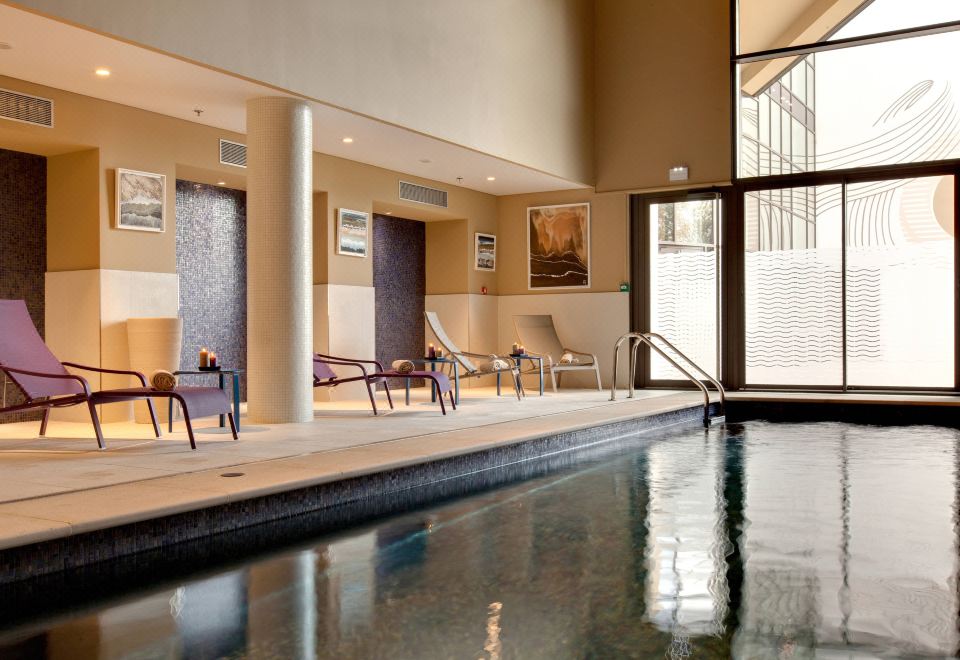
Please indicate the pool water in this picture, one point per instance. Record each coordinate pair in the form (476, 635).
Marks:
(759, 540)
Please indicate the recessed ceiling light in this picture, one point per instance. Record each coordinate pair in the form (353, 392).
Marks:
(221, 183)
(491, 178)
(348, 140)
(103, 72)
(389, 212)
(5, 46)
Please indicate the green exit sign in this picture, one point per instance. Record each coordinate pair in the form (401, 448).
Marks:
(625, 287)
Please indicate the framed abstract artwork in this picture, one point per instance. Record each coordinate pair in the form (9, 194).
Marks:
(352, 232)
(558, 246)
(485, 252)
(140, 200)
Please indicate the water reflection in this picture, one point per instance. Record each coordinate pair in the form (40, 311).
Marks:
(761, 541)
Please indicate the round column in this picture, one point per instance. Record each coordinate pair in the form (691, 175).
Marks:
(279, 260)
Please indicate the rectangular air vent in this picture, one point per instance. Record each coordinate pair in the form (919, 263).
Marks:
(27, 109)
(423, 195)
(233, 153)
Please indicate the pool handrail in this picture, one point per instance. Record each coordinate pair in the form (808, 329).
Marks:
(637, 338)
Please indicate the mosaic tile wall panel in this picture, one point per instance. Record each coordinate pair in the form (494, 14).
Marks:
(212, 265)
(23, 246)
(399, 278)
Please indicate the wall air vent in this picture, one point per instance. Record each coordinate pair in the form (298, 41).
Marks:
(27, 109)
(233, 153)
(423, 195)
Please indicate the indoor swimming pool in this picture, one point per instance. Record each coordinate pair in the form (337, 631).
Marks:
(759, 540)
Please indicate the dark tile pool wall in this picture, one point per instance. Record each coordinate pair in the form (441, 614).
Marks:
(212, 265)
(23, 247)
(399, 278)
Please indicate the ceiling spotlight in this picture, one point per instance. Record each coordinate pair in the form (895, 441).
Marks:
(389, 212)
(103, 72)
(348, 140)
(5, 46)
(221, 183)
(491, 178)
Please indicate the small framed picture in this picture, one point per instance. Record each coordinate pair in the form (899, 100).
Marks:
(485, 252)
(141, 198)
(352, 232)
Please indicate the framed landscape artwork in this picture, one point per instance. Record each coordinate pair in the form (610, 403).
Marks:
(352, 231)
(140, 200)
(485, 252)
(558, 246)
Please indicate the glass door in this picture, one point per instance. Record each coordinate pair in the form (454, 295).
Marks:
(683, 280)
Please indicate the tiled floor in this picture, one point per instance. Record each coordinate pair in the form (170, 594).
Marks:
(59, 485)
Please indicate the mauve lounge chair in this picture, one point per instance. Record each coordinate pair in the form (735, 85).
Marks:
(47, 384)
(324, 376)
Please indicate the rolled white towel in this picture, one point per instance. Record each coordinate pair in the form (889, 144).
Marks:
(402, 366)
(568, 358)
(164, 381)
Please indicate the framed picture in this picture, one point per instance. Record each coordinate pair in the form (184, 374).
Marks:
(558, 246)
(141, 200)
(485, 252)
(352, 231)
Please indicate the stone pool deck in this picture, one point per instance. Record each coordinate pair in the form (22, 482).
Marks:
(61, 486)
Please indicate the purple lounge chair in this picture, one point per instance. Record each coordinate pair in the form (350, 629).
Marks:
(324, 376)
(47, 384)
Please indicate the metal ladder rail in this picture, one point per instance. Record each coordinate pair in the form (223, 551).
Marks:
(636, 338)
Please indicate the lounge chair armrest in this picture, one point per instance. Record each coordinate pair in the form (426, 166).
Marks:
(343, 360)
(40, 374)
(346, 363)
(121, 372)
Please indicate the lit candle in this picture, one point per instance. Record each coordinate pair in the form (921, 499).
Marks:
(516, 349)
(440, 353)
(213, 359)
(431, 351)
(523, 351)
(204, 357)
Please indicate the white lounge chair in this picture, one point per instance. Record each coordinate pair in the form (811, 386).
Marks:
(485, 365)
(539, 337)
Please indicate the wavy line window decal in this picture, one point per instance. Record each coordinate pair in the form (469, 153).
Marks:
(793, 282)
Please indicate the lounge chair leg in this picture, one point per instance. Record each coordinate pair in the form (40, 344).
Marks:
(553, 380)
(596, 369)
(96, 424)
(373, 401)
(518, 386)
(233, 426)
(498, 383)
(386, 388)
(43, 423)
(443, 408)
(186, 420)
(452, 401)
(153, 416)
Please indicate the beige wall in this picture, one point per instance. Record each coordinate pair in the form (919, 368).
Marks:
(662, 90)
(360, 187)
(125, 137)
(512, 78)
(73, 211)
(609, 238)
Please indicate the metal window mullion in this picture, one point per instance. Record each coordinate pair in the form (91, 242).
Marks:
(843, 282)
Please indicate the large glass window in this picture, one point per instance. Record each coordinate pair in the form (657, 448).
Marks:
(900, 283)
(793, 265)
(765, 25)
(884, 103)
(683, 281)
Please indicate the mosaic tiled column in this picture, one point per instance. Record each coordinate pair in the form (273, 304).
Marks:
(279, 260)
